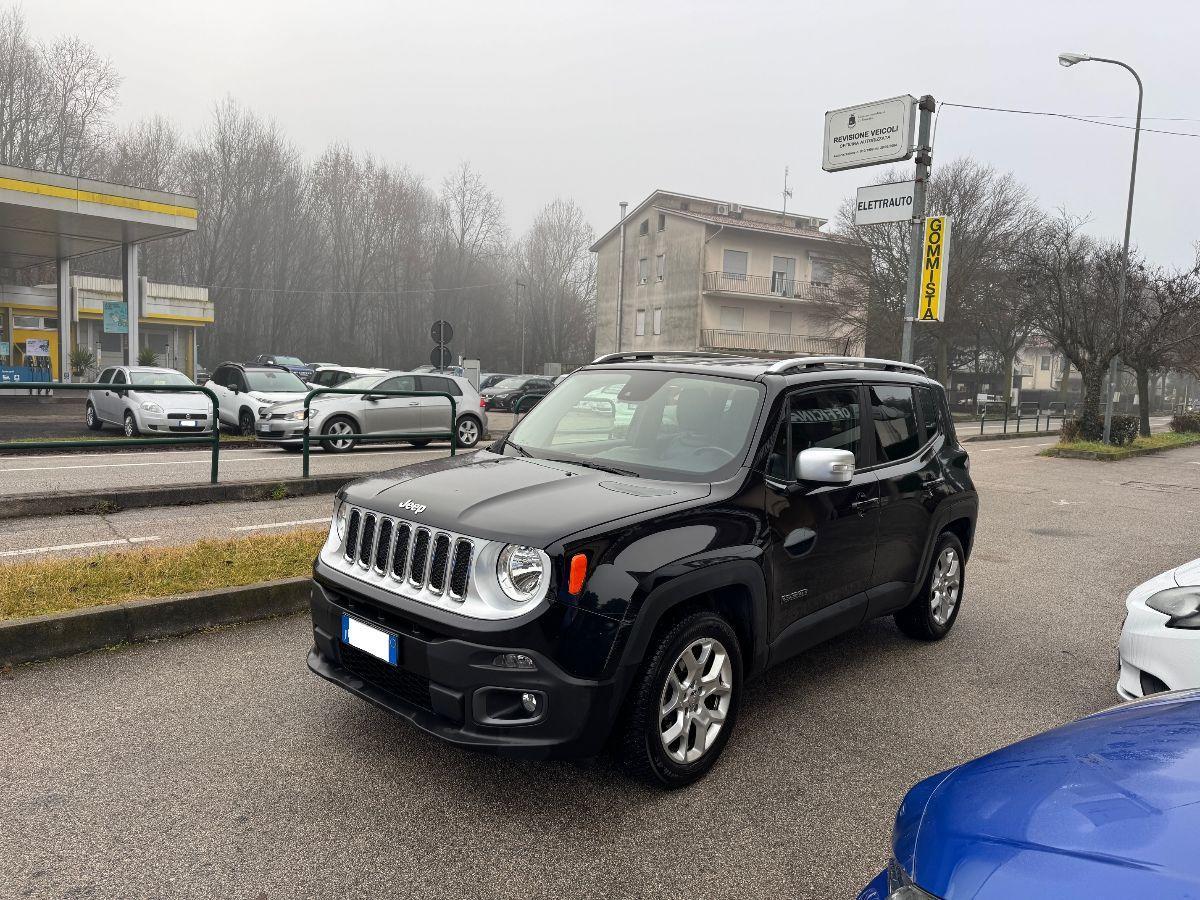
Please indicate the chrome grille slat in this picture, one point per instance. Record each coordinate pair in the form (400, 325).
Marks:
(418, 565)
(438, 562)
(400, 554)
(366, 541)
(383, 544)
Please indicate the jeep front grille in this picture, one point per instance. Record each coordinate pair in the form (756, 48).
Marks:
(422, 558)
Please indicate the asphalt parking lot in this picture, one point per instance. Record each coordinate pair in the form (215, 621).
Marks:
(217, 766)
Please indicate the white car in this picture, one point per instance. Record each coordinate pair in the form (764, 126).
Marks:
(1160, 640)
(244, 389)
(332, 376)
(147, 412)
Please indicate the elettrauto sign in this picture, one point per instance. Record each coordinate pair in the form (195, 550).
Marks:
(877, 203)
(869, 134)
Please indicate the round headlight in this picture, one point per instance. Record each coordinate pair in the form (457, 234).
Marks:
(340, 510)
(521, 572)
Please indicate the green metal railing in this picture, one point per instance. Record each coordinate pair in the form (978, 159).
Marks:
(452, 434)
(214, 439)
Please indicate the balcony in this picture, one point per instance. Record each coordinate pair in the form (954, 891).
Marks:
(775, 285)
(764, 342)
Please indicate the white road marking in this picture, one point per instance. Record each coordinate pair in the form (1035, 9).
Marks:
(120, 541)
(281, 524)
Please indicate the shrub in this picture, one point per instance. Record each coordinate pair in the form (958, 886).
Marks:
(147, 357)
(1069, 433)
(1124, 430)
(1189, 422)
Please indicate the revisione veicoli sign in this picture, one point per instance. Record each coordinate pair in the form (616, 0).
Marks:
(869, 134)
(892, 202)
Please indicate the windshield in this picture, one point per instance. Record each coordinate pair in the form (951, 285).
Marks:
(657, 424)
(159, 378)
(288, 361)
(362, 382)
(281, 381)
(509, 384)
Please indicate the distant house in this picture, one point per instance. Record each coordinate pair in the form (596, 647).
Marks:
(702, 274)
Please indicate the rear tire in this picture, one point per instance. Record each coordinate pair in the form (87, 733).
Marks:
(934, 610)
(338, 425)
(468, 431)
(683, 706)
(131, 428)
(90, 418)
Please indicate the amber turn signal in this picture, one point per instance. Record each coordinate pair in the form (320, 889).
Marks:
(578, 572)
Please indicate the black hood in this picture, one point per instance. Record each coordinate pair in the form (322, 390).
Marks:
(510, 498)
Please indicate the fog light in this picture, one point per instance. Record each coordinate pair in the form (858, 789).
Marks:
(513, 661)
(530, 702)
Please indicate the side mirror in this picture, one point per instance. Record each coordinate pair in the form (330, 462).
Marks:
(825, 465)
(233, 387)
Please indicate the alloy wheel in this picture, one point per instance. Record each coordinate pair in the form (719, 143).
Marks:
(130, 427)
(468, 433)
(695, 700)
(336, 428)
(945, 586)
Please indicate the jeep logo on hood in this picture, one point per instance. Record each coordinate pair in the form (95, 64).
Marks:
(413, 507)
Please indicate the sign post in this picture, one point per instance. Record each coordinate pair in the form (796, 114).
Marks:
(924, 160)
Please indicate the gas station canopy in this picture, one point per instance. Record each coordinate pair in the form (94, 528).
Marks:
(45, 218)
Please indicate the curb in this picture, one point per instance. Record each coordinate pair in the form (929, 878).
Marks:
(1116, 456)
(65, 503)
(1010, 436)
(77, 630)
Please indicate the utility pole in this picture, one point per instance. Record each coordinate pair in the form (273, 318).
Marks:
(521, 321)
(924, 160)
(621, 276)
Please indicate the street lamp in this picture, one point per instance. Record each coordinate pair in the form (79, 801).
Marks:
(521, 319)
(1068, 60)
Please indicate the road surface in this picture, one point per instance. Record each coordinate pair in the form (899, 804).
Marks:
(216, 766)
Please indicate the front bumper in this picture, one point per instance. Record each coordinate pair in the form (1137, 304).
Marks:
(160, 423)
(1170, 656)
(446, 683)
(282, 432)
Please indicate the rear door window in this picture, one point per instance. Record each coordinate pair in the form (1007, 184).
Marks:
(895, 419)
(106, 376)
(434, 384)
(119, 377)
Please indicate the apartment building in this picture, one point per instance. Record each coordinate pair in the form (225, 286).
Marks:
(702, 274)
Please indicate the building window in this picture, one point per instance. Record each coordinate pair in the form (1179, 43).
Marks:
(822, 272)
(639, 323)
(779, 322)
(662, 221)
(660, 266)
(644, 228)
(642, 270)
(1045, 363)
(732, 318)
(734, 264)
(658, 320)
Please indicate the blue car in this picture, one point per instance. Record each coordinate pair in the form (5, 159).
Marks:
(1105, 807)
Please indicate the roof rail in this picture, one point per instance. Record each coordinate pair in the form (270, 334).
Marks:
(849, 362)
(638, 355)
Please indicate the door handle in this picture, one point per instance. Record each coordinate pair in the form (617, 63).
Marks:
(931, 482)
(861, 506)
(415, 403)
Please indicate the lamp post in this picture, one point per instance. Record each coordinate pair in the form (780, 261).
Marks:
(1068, 60)
(521, 321)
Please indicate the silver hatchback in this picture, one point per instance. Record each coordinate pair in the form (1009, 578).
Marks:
(333, 416)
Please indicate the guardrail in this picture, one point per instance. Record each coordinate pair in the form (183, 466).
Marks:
(452, 434)
(214, 439)
(1024, 414)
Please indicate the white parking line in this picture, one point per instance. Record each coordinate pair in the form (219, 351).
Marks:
(281, 524)
(119, 541)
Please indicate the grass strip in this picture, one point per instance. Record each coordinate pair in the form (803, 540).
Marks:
(1166, 440)
(55, 585)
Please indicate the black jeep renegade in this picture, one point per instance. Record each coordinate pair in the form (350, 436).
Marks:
(659, 529)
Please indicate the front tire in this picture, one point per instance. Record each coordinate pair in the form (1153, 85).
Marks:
(246, 423)
(934, 610)
(91, 419)
(131, 428)
(338, 425)
(682, 708)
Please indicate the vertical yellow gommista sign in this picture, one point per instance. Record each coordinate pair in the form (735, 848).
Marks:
(934, 260)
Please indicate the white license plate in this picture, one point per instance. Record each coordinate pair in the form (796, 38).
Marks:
(263, 426)
(370, 639)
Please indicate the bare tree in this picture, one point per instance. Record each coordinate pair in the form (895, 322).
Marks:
(1162, 328)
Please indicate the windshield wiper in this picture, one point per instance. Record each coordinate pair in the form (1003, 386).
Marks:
(517, 447)
(587, 464)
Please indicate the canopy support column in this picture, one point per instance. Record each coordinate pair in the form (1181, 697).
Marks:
(65, 314)
(130, 284)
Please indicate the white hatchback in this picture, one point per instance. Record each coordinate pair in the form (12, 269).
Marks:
(1160, 640)
(147, 412)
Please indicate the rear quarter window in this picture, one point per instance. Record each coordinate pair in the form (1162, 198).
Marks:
(894, 416)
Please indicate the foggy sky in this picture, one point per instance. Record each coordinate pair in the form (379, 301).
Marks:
(607, 101)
